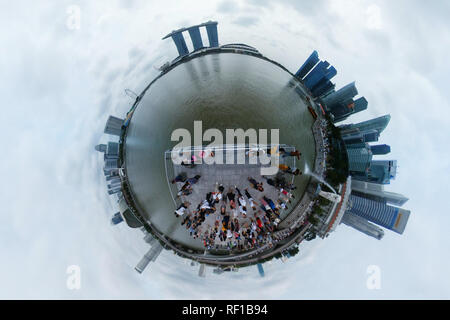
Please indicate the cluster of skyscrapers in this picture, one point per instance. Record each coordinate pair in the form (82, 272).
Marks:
(368, 205)
(368, 202)
(111, 166)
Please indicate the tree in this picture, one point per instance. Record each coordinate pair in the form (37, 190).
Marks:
(293, 251)
(310, 235)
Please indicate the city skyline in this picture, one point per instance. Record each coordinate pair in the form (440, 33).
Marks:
(74, 76)
(342, 155)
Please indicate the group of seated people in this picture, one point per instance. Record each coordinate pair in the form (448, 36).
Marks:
(233, 225)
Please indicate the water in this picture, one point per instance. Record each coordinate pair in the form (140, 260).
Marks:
(307, 171)
(224, 91)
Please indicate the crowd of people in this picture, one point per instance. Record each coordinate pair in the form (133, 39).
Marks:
(236, 218)
(320, 129)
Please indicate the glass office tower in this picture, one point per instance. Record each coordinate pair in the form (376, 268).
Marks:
(384, 215)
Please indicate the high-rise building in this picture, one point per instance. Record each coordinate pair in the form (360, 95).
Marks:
(341, 96)
(211, 29)
(112, 150)
(308, 65)
(113, 126)
(201, 270)
(196, 37)
(361, 104)
(378, 124)
(382, 171)
(260, 269)
(100, 147)
(359, 159)
(110, 165)
(353, 138)
(150, 239)
(150, 256)
(362, 225)
(180, 43)
(342, 111)
(380, 149)
(323, 71)
(323, 88)
(376, 192)
(384, 215)
(370, 135)
(116, 218)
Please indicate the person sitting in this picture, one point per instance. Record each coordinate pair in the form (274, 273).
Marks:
(255, 184)
(180, 178)
(181, 209)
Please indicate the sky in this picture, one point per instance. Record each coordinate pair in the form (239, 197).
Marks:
(61, 79)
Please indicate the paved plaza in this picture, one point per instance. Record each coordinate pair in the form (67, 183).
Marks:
(230, 176)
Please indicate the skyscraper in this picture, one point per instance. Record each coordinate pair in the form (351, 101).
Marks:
(323, 88)
(382, 171)
(180, 43)
(361, 104)
(376, 192)
(113, 126)
(342, 111)
(116, 218)
(261, 270)
(323, 71)
(378, 124)
(211, 29)
(386, 216)
(201, 270)
(112, 150)
(380, 149)
(150, 256)
(370, 135)
(196, 37)
(100, 147)
(359, 158)
(308, 65)
(362, 225)
(341, 96)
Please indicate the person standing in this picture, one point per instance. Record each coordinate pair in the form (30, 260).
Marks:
(285, 153)
(287, 169)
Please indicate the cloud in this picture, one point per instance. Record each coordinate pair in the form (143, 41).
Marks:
(246, 21)
(228, 7)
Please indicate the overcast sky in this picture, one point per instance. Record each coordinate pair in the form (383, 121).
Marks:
(60, 83)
